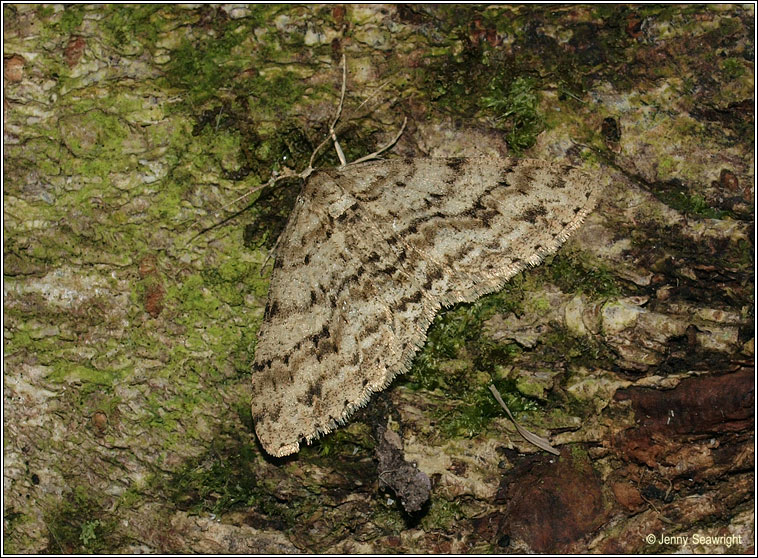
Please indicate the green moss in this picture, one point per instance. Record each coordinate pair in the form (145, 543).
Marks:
(43, 12)
(273, 95)
(224, 479)
(467, 87)
(219, 144)
(452, 83)
(541, 305)
(561, 346)
(442, 514)
(462, 361)
(579, 457)
(68, 371)
(71, 19)
(202, 304)
(19, 340)
(42, 154)
(78, 524)
(688, 127)
(470, 75)
(733, 68)
(135, 22)
(532, 387)
(574, 273)
(665, 165)
(353, 440)
(201, 67)
(386, 515)
(514, 104)
(195, 298)
(12, 519)
(236, 270)
(729, 26)
(90, 532)
(243, 350)
(456, 327)
(674, 194)
(459, 359)
(97, 141)
(477, 407)
(742, 253)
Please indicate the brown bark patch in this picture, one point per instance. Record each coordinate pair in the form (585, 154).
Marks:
(99, 423)
(338, 13)
(728, 180)
(627, 495)
(706, 404)
(154, 299)
(14, 68)
(700, 405)
(550, 504)
(74, 51)
(148, 266)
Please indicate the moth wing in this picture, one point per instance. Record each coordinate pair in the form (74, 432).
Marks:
(370, 255)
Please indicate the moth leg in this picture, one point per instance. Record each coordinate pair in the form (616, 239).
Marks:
(333, 135)
(392, 142)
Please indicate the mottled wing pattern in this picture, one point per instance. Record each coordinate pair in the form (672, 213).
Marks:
(370, 255)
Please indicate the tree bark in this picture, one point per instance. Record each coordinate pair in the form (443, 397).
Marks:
(129, 337)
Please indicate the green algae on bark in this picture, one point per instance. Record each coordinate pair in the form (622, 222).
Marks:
(134, 382)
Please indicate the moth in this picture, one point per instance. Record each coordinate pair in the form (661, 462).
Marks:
(371, 253)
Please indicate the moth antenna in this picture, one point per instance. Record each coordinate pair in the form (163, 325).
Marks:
(214, 225)
(374, 94)
(271, 181)
(270, 254)
(217, 213)
(243, 196)
(340, 154)
(342, 94)
(332, 134)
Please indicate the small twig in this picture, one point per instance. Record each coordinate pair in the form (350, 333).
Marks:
(340, 154)
(570, 94)
(528, 436)
(668, 490)
(649, 503)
